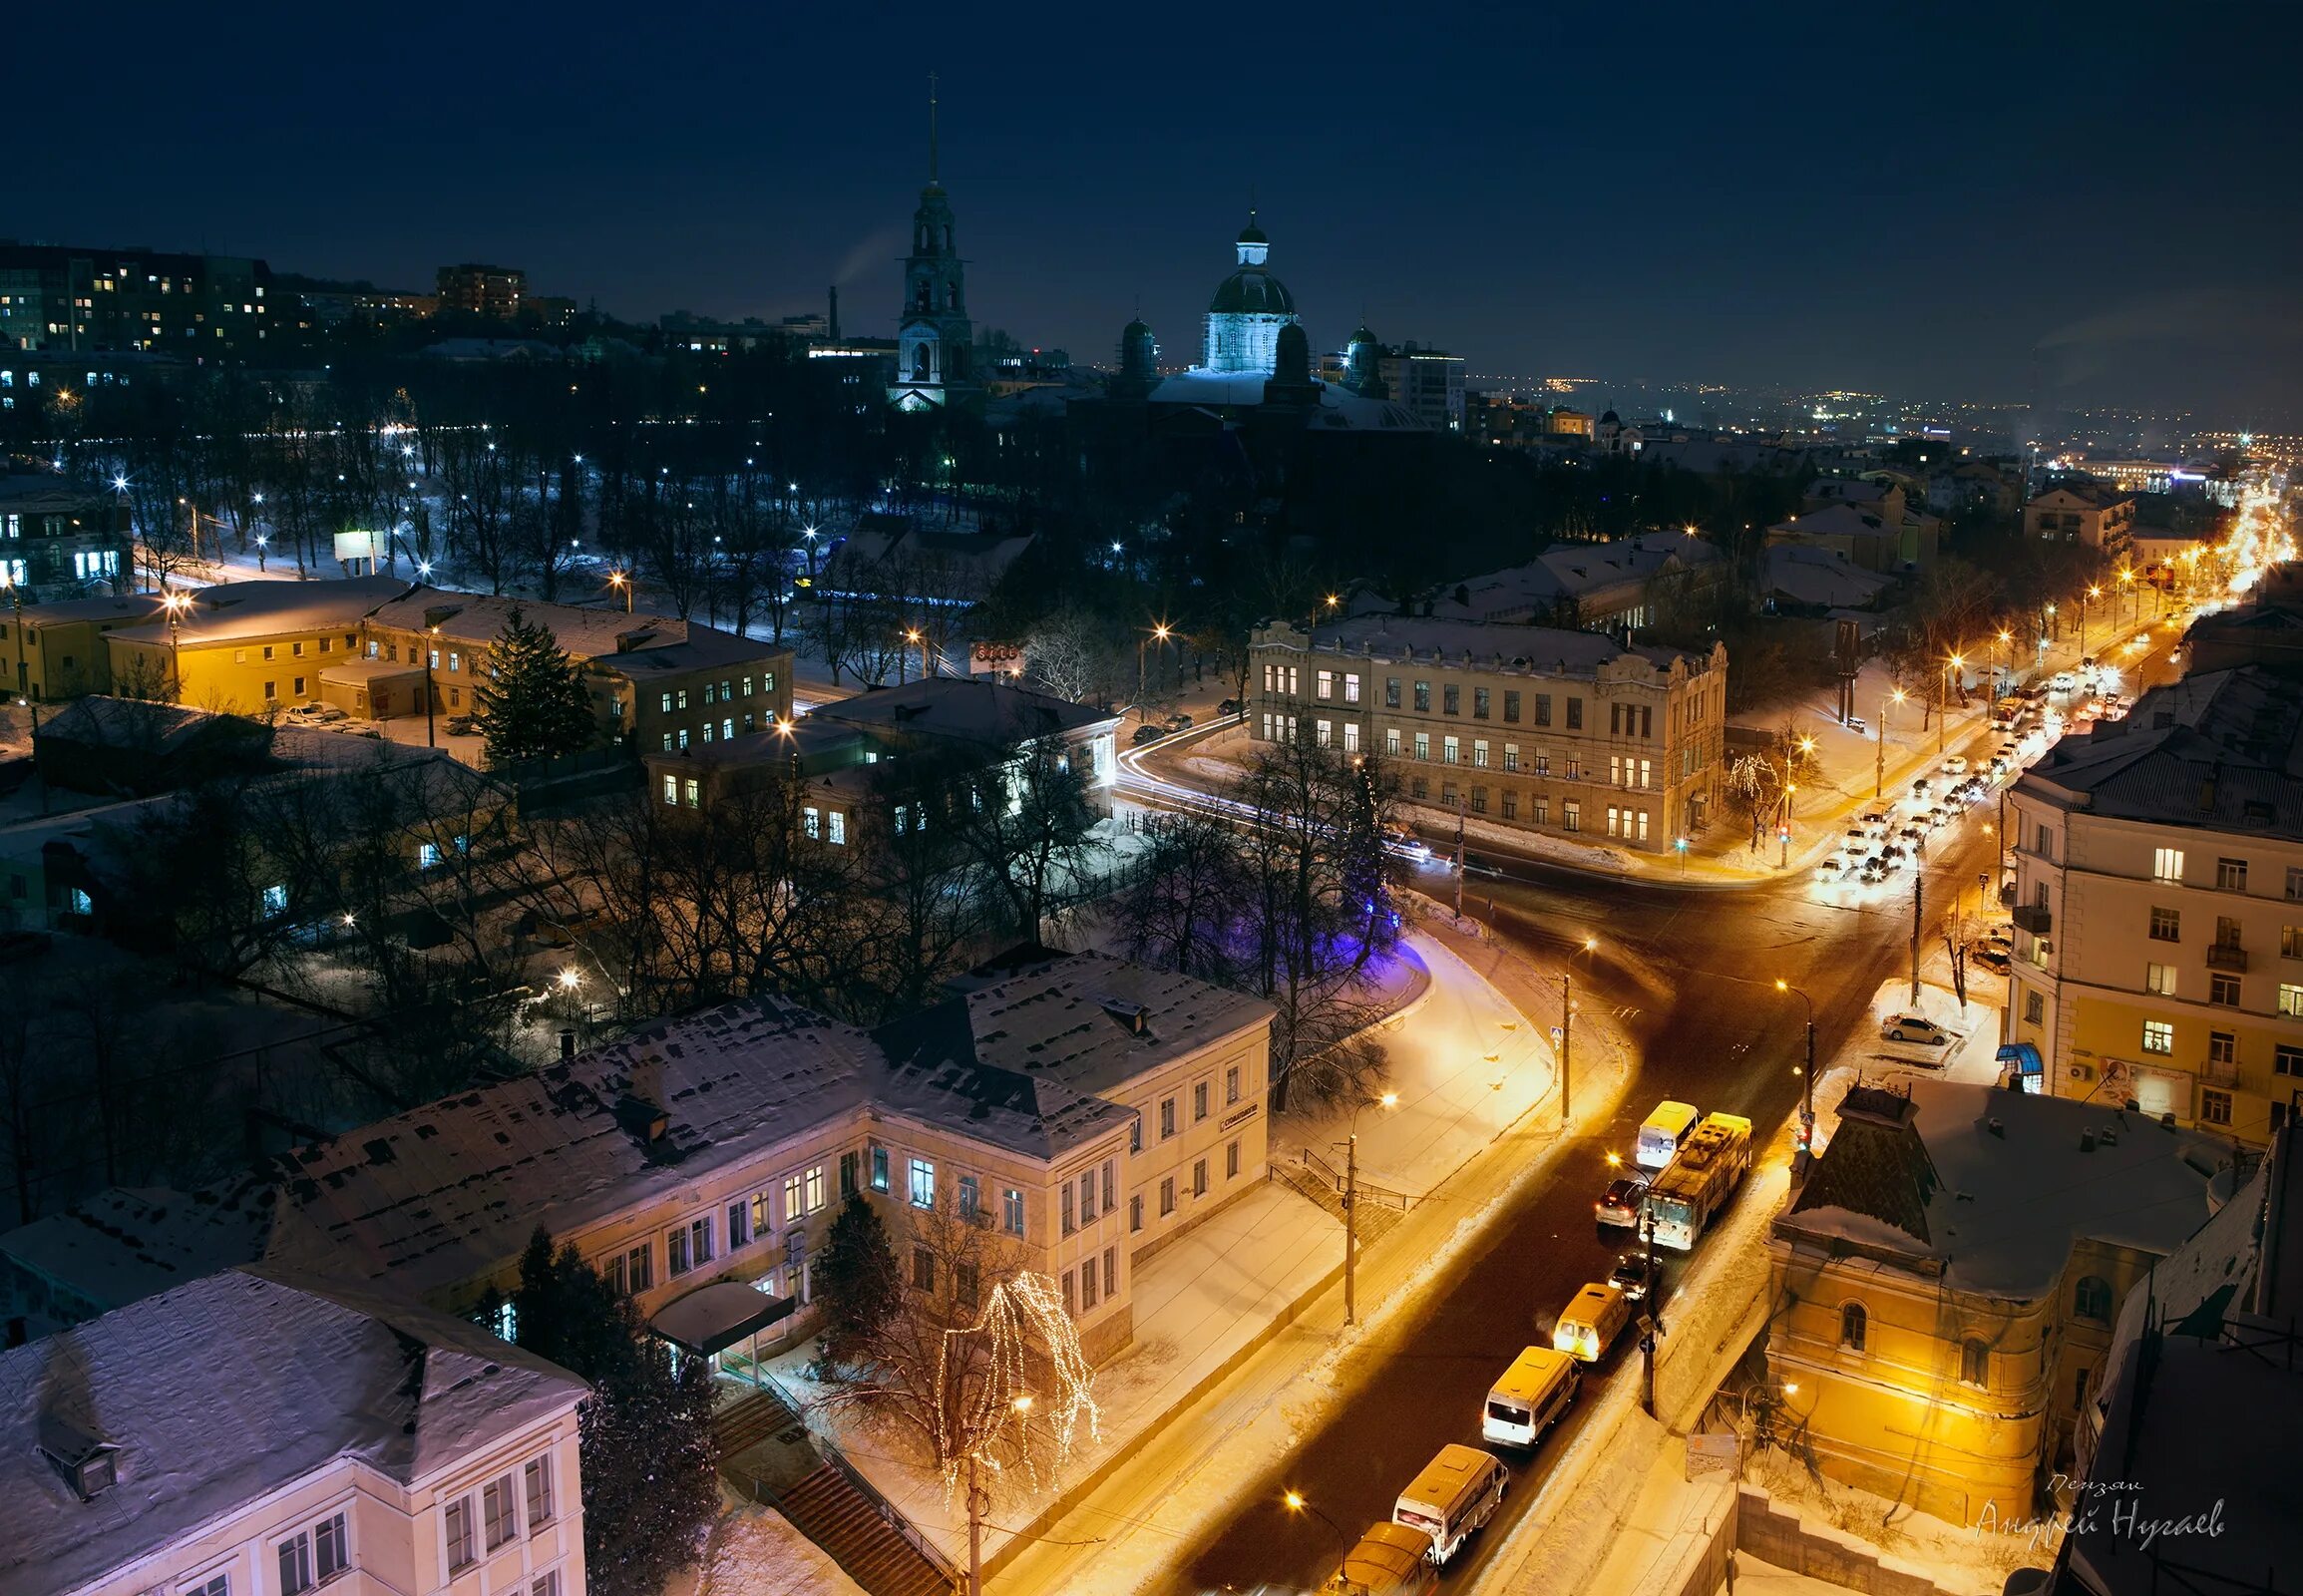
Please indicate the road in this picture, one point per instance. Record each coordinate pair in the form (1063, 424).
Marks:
(1688, 976)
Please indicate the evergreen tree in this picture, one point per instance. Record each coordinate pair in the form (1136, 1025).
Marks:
(532, 702)
(857, 1281)
(650, 1465)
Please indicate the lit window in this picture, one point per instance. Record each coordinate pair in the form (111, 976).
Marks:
(2158, 1037)
(2167, 864)
(923, 1183)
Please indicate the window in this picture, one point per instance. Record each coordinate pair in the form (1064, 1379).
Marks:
(1199, 1177)
(218, 1585)
(1423, 697)
(1543, 708)
(1450, 751)
(271, 690)
(672, 791)
(1479, 701)
(1351, 687)
(1231, 1086)
(879, 1169)
(544, 1584)
(1135, 1135)
(922, 1269)
(1350, 736)
(2295, 883)
(2167, 864)
(2287, 1059)
(1167, 1196)
(739, 1225)
(1199, 1102)
(296, 1564)
(2091, 1298)
(1323, 734)
(496, 1505)
(1111, 1271)
(2167, 925)
(1070, 1297)
(1135, 1212)
(1392, 699)
(2159, 979)
(2214, 1107)
(2158, 1037)
(1391, 741)
(848, 1175)
(1973, 1362)
(1569, 814)
(967, 1285)
(1011, 1204)
(1511, 705)
(1511, 806)
(1479, 753)
(1110, 1186)
(2290, 998)
(1423, 745)
(700, 1235)
(331, 1547)
(1230, 1160)
(923, 1183)
(2224, 991)
(640, 1267)
(1167, 1118)
(675, 1252)
(1088, 1295)
(971, 1197)
(1326, 688)
(2291, 941)
(2232, 875)
(1854, 1323)
(2222, 1048)
(1574, 714)
(1067, 1224)
(463, 1551)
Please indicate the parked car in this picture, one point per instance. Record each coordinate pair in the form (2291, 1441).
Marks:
(463, 725)
(1956, 764)
(1920, 788)
(1619, 1203)
(1831, 866)
(1858, 725)
(2064, 682)
(1991, 957)
(1179, 721)
(314, 714)
(1630, 1275)
(1914, 1027)
(1147, 732)
(1876, 818)
(1230, 706)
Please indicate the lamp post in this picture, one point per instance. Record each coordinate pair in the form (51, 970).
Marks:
(1159, 634)
(2085, 595)
(1943, 709)
(915, 635)
(1567, 1041)
(2005, 641)
(1390, 1100)
(1806, 1079)
(1783, 831)
(1879, 761)
(1295, 1503)
(621, 583)
(173, 604)
(2127, 580)
(431, 653)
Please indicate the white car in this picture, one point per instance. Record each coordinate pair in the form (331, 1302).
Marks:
(2064, 682)
(1912, 1028)
(1955, 766)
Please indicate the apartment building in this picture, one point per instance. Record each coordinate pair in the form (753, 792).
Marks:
(1948, 1279)
(1594, 586)
(1566, 732)
(2100, 518)
(61, 539)
(1084, 1107)
(662, 684)
(243, 646)
(2158, 907)
(263, 1433)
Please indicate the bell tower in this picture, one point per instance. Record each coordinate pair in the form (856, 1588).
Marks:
(934, 337)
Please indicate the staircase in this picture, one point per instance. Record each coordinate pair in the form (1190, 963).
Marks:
(828, 1503)
(1322, 1183)
(829, 1509)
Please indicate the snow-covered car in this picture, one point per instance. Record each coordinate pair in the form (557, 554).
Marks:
(1914, 1027)
(2064, 682)
(1179, 721)
(1955, 766)
(1832, 866)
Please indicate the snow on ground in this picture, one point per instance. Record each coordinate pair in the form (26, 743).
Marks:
(1959, 1557)
(753, 1550)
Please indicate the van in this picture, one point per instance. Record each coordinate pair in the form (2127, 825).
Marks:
(1457, 1493)
(1659, 1141)
(1589, 1325)
(1533, 1392)
(1391, 1560)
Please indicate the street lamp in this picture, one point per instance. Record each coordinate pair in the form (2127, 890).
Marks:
(431, 653)
(1806, 1078)
(1295, 1503)
(913, 635)
(1943, 710)
(2005, 641)
(1879, 759)
(2085, 595)
(1160, 634)
(1390, 1100)
(175, 603)
(621, 583)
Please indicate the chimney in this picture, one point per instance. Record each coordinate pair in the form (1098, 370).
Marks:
(833, 325)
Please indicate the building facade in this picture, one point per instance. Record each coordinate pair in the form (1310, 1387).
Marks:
(374, 1445)
(69, 300)
(934, 339)
(1429, 382)
(2098, 518)
(497, 292)
(1535, 728)
(2158, 908)
(1946, 1282)
(61, 539)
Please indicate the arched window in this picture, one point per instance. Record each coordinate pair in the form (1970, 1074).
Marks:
(925, 301)
(1975, 1362)
(2092, 1299)
(1853, 1322)
(923, 367)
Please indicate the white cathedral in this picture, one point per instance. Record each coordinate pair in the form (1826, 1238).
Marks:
(1242, 336)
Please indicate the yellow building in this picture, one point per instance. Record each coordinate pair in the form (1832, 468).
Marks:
(1570, 732)
(2158, 907)
(56, 650)
(1944, 1285)
(2100, 518)
(245, 646)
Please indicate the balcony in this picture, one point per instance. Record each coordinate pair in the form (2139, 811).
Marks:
(2216, 1073)
(2034, 917)
(2227, 955)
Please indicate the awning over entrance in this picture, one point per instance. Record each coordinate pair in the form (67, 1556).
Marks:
(713, 1318)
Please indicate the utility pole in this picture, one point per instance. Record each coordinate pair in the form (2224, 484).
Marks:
(1918, 894)
(1650, 1325)
(1351, 1230)
(1566, 1047)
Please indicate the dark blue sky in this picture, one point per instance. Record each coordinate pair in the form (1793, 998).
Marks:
(2006, 202)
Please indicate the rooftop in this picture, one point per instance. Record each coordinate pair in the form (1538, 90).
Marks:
(28, 492)
(1539, 650)
(970, 708)
(233, 611)
(1990, 1188)
(218, 1392)
(122, 1244)
(632, 644)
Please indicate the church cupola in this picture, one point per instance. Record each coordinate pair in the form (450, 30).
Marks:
(1363, 366)
(1253, 245)
(1249, 309)
(933, 335)
(1138, 362)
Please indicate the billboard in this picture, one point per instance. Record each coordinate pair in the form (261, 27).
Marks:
(355, 546)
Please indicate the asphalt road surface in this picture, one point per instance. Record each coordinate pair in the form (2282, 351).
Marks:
(1689, 976)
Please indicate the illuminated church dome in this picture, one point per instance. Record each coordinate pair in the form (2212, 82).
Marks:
(1249, 309)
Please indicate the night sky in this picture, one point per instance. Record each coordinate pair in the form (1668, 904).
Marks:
(2088, 204)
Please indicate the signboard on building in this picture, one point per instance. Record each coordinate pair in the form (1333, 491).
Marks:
(996, 659)
(352, 546)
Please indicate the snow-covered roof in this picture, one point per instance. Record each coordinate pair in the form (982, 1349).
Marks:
(1338, 408)
(970, 708)
(1812, 575)
(445, 1194)
(231, 611)
(231, 1387)
(1534, 650)
(629, 643)
(1990, 1188)
(126, 1243)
